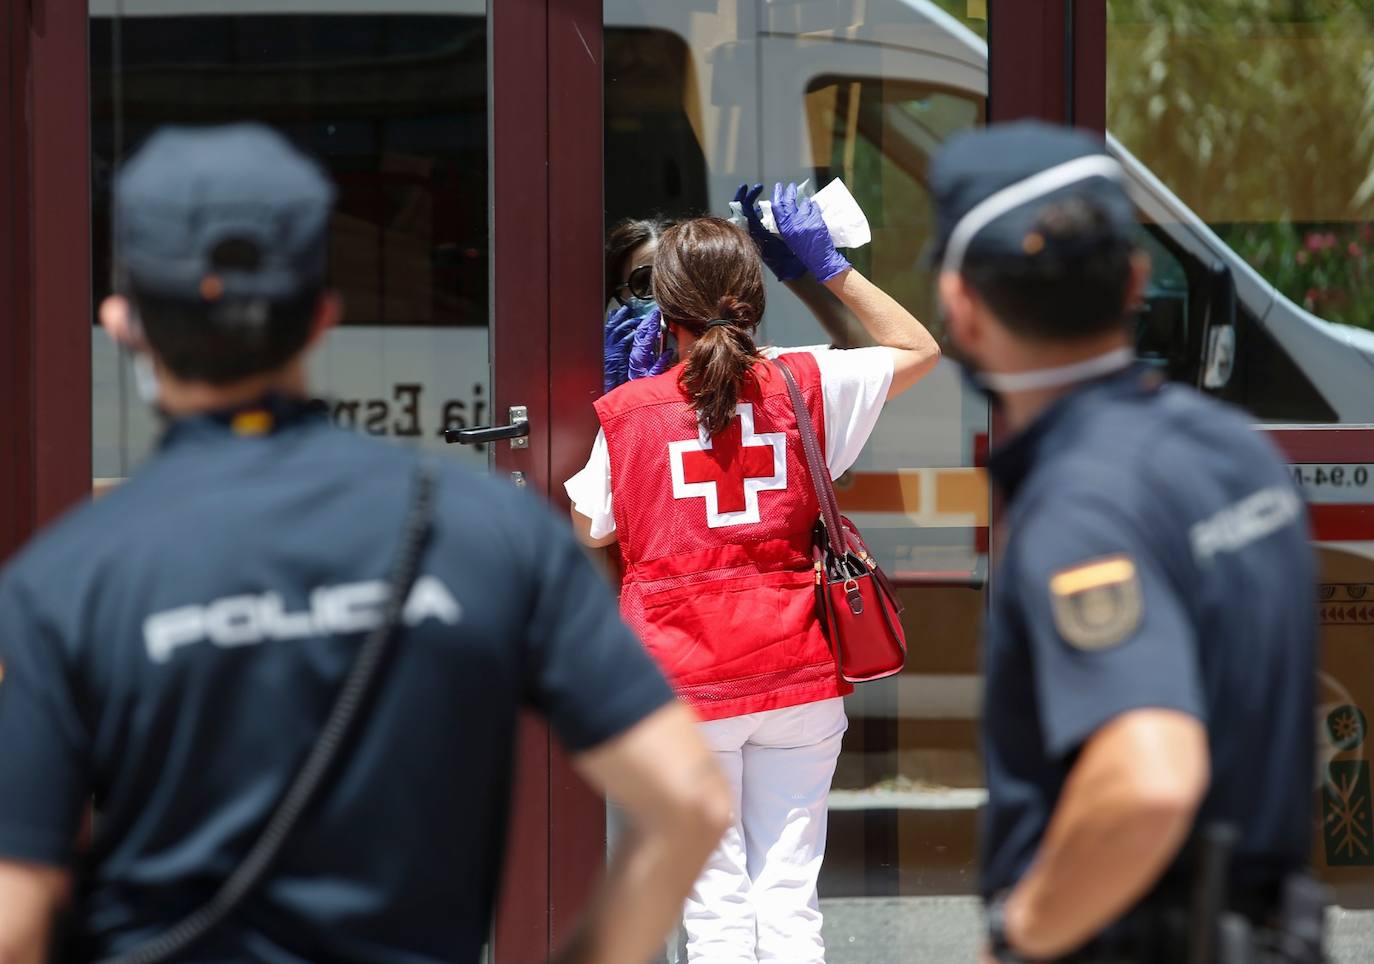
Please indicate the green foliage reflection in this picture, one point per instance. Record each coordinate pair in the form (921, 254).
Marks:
(1260, 115)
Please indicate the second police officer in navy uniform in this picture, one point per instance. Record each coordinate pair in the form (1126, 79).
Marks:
(1150, 647)
(174, 650)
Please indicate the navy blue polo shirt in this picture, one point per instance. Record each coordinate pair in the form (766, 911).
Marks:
(1157, 555)
(173, 649)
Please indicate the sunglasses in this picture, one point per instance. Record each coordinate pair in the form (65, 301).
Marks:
(640, 284)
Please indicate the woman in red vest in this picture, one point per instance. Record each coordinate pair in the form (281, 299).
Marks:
(700, 475)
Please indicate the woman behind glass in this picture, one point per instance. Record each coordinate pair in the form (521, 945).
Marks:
(630, 247)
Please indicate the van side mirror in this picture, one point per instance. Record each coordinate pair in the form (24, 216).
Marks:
(1219, 356)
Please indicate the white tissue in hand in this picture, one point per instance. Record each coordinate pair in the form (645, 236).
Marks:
(842, 215)
(770, 224)
(737, 216)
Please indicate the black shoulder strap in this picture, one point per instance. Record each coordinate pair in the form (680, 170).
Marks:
(345, 716)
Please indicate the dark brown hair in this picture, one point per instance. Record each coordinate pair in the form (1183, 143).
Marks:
(1075, 288)
(708, 270)
(623, 238)
(222, 342)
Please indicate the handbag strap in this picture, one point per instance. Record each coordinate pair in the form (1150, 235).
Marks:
(347, 712)
(815, 463)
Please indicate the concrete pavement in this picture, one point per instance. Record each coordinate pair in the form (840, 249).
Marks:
(948, 930)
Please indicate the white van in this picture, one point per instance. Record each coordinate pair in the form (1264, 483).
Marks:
(781, 91)
(777, 90)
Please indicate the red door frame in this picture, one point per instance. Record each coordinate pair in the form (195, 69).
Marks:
(518, 108)
(1030, 77)
(45, 291)
(546, 89)
(1029, 74)
(577, 817)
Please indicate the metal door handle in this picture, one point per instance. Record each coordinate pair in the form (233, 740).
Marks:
(517, 431)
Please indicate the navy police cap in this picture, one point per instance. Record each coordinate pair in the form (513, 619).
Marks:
(991, 186)
(222, 212)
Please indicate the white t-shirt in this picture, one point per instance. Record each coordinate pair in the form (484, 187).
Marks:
(854, 384)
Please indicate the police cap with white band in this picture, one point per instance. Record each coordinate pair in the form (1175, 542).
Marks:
(991, 187)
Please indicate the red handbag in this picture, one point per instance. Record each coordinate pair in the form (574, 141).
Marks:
(858, 607)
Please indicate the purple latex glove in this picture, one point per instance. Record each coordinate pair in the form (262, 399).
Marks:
(645, 358)
(802, 227)
(619, 338)
(772, 249)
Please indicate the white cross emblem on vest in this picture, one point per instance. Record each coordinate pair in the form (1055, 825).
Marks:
(730, 470)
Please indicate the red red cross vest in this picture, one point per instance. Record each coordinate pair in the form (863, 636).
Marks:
(715, 537)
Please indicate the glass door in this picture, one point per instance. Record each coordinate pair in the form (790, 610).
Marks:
(432, 117)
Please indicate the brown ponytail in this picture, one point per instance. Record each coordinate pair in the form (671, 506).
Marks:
(708, 279)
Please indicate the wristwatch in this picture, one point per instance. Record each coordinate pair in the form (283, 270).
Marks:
(997, 931)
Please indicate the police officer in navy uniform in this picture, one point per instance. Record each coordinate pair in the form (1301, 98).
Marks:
(171, 651)
(1150, 648)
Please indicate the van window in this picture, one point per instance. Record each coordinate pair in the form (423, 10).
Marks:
(1171, 332)
(1268, 384)
(653, 159)
(1168, 324)
(1253, 115)
(408, 238)
(880, 135)
(394, 105)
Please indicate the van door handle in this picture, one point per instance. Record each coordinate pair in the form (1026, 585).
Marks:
(517, 431)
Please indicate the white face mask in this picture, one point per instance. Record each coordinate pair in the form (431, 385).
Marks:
(145, 378)
(145, 375)
(1041, 379)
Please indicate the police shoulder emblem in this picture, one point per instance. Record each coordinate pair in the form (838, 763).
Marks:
(1097, 604)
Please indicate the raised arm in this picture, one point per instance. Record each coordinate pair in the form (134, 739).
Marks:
(837, 321)
(914, 350)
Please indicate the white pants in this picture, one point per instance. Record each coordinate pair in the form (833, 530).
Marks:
(756, 899)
